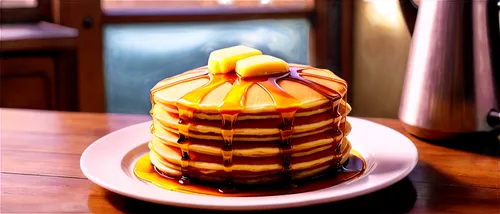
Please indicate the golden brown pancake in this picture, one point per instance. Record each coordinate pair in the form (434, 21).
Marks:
(247, 127)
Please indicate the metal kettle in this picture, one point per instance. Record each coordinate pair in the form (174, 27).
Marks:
(452, 77)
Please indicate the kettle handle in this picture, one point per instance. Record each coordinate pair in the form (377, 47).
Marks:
(494, 117)
(409, 9)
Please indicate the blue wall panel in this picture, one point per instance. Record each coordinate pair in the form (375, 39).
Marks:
(139, 55)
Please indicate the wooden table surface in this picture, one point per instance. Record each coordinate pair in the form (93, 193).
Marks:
(40, 153)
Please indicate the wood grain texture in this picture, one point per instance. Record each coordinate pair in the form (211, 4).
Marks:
(40, 171)
(85, 16)
(28, 82)
(37, 36)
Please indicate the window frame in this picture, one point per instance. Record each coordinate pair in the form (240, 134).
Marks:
(330, 41)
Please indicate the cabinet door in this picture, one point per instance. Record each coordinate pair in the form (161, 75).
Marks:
(27, 82)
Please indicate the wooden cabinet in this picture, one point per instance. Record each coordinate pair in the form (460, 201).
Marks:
(28, 82)
(37, 68)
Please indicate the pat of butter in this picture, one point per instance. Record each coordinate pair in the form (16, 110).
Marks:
(224, 60)
(261, 65)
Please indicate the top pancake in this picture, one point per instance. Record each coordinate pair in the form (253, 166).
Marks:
(257, 100)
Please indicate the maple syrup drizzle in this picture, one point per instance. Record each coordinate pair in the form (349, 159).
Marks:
(333, 96)
(201, 74)
(186, 111)
(146, 171)
(233, 104)
(281, 98)
(229, 109)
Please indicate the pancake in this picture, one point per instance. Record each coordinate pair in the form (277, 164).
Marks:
(249, 118)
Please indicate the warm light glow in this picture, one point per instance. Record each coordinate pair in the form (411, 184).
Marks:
(18, 3)
(152, 4)
(383, 12)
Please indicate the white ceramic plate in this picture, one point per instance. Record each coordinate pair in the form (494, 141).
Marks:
(108, 162)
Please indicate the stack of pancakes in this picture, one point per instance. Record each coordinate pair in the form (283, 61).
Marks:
(257, 156)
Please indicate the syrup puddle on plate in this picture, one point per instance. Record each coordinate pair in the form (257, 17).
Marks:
(355, 167)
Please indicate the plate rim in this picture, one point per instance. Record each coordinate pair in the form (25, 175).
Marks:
(239, 207)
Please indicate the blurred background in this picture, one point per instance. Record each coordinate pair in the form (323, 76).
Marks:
(105, 55)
